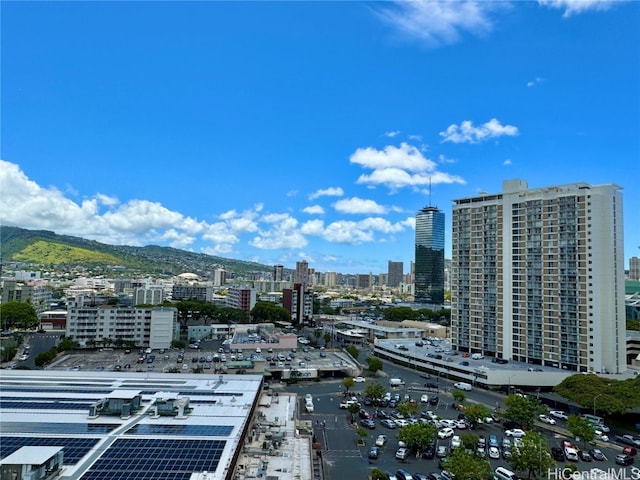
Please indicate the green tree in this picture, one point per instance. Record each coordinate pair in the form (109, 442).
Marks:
(20, 315)
(375, 391)
(581, 428)
(469, 441)
(408, 409)
(524, 410)
(43, 358)
(264, 312)
(327, 338)
(465, 464)
(398, 314)
(353, 408)
(348, 383)
(613, 396)
(418, 435)
(374, 364)
(458, 395)
(353, 351)
(66, 344)
(532, 455)
(377, 474)
(476, 411)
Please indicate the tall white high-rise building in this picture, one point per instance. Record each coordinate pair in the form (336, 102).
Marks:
(538, 276)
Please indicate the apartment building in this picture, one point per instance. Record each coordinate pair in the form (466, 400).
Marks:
(144, 326)
(538, 276)
(242, 298)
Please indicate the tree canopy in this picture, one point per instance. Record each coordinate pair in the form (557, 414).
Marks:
(418, 435)
(465, 464)
(524, 410)
(613, 396)
(20, 315)
(264, 312)
(532, 455)
(374, 364)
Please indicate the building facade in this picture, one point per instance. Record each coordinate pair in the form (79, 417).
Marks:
(395, 274)
(242, 298)
(429, 256)
(144, 326)
(634, 268)
(538, 276)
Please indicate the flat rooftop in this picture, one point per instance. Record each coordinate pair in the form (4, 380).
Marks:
(51, 409)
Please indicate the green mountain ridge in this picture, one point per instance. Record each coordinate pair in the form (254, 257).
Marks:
(46, 249)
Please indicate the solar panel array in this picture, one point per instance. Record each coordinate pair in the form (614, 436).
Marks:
(42, 405)
(183, 430)
(156, 459)
(74, 448)
(57, 428)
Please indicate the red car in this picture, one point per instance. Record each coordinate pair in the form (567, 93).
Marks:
(629, 451)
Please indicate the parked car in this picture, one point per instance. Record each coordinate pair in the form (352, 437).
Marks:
(515, 432)
(381, 440)
(445, 433)
(546, 419)
(623, 459)
(557, 454)
(374, 452)
(388, 423)
(429, 452)
(359, 379)
(402, 453)
(584, 456)
(368, 423)
(597, 454)
(494, 452)
(442, 451)
(630, 451)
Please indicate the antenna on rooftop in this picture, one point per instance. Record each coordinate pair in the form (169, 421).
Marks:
(430, 190)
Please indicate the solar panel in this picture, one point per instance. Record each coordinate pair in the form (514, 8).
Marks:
(181, 430)
(42, 405)
(57, 428)
(74, 448)
(156, 459)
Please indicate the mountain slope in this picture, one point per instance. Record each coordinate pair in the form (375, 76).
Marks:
(43, 248)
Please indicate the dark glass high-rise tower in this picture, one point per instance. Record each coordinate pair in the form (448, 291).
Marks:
(429, 261)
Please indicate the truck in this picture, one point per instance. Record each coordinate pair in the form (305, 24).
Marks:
(396, 382)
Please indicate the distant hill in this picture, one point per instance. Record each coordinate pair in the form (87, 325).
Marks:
(48, 250)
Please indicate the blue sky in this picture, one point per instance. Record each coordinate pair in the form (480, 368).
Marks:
(285, 131)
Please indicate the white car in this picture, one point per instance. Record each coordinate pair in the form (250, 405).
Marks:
(559, 414)
(547, 419)
(455, 441)
(424, 399)
(359, 379)
(401, 422)
(461, 424)
(515, 432)
(445, 433)
(381, 440)
(494, 452)
(446, 423)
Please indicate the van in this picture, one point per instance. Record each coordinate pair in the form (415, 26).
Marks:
(477, 356)
(396, 382)
(462, 386)
(593, 419)
(503, 473)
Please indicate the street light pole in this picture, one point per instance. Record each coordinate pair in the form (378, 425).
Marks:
(594, 402)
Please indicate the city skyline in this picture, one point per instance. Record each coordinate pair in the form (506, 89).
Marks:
(280, 132)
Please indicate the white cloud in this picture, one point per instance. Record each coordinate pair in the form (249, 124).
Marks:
(327, 192)
(417, 138)
(535, 81)
(358, 205)
(392, 134)
(575, 7)
(283, 233)
(443, 159)
(314, 210)
(312, 227)
(406, 157)
(440, 22)
(398, 167)
(355, 233)
(507, 162)
(467, 133)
